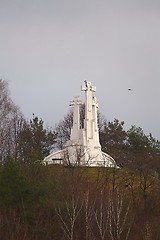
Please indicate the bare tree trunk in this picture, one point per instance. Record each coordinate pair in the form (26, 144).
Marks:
(101, 215)
(73, 209)
(119, 217)
(89, 211)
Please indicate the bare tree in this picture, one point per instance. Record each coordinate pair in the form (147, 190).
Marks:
(15, 228)
(88, 208)
(74, 155)
(119, 216)
(101, 215)
(146, 182)
(73, 202)
(63, 130)
(11, 121)
(68, 221)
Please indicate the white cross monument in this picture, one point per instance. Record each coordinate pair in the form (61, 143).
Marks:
(83, 148)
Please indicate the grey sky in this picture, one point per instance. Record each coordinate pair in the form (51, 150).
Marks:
(48, 48)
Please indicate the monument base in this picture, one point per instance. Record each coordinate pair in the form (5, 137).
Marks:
(75, 155)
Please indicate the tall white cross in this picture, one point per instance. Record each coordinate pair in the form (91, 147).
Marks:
(76, 102)
(89, 115)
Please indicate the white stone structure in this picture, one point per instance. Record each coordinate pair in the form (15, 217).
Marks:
(83, 148)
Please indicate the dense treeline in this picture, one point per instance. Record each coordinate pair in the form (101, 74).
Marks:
(55, 202)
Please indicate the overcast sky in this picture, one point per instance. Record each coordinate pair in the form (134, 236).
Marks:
(48, 48)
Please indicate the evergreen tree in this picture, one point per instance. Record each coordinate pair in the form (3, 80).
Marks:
(35, 142)
(113, 140)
